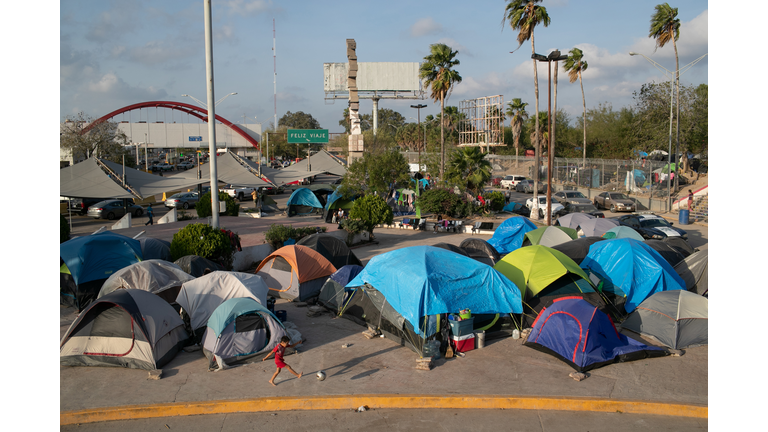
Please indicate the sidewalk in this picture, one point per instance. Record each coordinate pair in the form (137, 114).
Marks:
(377, 372)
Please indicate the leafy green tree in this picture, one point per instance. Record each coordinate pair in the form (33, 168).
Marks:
(469, 169)
(376, 173)
(298, 120)
(102, 139)
(524, 16)
(665, 27)
(372, 210)
(203, 206)
(437, 73)
(516, 111)
(575, 65)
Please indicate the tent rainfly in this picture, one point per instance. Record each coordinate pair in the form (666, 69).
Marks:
(678, 319)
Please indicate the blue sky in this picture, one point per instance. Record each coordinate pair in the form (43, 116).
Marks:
(117, 53)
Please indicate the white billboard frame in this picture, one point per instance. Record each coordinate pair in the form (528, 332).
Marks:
(375, 80)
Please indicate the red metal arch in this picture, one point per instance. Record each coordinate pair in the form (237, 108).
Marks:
(179, 106)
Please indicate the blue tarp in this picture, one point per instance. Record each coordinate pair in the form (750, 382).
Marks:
(512, 206)
(97, 256)
(583, 336)
(632, 268)
(346, 273)
(639, 177)
(510, 234)
(419, 281)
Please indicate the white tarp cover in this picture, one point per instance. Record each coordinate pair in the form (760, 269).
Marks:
(201, 296)
(87, 180)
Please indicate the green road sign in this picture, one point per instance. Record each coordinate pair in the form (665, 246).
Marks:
(297, 136)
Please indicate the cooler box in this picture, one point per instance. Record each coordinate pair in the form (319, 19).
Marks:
(463, 327)
(463, 343)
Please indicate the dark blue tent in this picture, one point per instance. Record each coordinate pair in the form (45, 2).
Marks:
(580, 334)
(303, 202)
(510, 234)
(631, 271)
(91, 260)
(333, 294)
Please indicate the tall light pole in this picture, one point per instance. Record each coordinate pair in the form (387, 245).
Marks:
(671, 102)
(418, 110)
(554, 56)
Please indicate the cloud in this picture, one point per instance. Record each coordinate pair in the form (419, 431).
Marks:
(157, 52)
(255, 7)
(113, 24)
(75, 65)
(426, 27)
(693, 42)
(225, 33)
(490, 84)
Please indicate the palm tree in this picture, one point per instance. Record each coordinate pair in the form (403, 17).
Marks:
(575, 65)
(524, 16)
(469, 168)
(437, 73)
(516, 111)
(665, 27)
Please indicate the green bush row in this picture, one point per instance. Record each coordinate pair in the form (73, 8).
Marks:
(277, 234)
(205, 241)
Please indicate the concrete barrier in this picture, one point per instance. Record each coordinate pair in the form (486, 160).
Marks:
(124, 222)
(169, 217)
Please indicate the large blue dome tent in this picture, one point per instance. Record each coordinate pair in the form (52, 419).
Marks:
(510, 234)
(303, 202)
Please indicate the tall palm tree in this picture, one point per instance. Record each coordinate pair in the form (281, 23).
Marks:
(524, 16)
(516, 111)
(469, 168)
(437, 73)
(575, 65)
(665, 27)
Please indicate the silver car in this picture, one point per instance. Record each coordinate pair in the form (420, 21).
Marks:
(113, 209)
(574, 197)
(615, 201)
(183, 200)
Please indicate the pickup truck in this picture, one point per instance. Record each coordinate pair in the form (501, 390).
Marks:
(184, 165)
(239, 193)
(162, 166)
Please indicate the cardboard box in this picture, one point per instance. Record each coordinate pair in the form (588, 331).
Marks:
(463, 343)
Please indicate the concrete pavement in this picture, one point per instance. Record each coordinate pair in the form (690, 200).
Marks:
(380, 373)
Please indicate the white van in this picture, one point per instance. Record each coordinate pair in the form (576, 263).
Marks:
(510, 181)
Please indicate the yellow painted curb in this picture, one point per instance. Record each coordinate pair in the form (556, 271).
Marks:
(297, 403)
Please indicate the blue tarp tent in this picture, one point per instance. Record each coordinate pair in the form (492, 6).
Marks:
(510, 234)
(91, 260)
(631, 271)
(512, 207)
(303, 202)
(580, 334)
(420, 281)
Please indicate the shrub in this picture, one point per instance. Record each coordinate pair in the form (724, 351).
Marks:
(277, 235)
(63, 229)
(205, 241)
(352, 227)
(439, 201)
(497, 200)
(371, 210)
(465, 208)
(203, 206)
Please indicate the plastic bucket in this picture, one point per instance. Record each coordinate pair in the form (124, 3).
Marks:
(281, 315)
(683, 219)
(467, 315)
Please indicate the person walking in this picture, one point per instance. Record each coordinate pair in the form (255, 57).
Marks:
(690, 199)
(150, 214)
(279, 362)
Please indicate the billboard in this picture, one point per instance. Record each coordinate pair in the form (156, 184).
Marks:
(373, 76)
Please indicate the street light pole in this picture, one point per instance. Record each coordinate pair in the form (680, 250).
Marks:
(418, 110)
(677, 74)
(553, 56)
(211, 115)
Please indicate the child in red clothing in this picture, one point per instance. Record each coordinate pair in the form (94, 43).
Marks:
(278, 351)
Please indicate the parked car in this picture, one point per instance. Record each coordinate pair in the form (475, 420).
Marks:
(651, 226)
(184, 200)
(575, 197)
(80, 205)
(510, 181)
(184, 165)
(587, 208)
(616, 201)
(113, 209)
(272, 190)
(239, 193)
(162, 166)
(556, 206)
(526, 186)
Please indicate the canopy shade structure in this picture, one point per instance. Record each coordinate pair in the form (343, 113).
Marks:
(87, 180)
(230, 171)
(321, 161)
(149, 184)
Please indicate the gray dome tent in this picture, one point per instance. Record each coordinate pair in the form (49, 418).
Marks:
(694, 271)
(157, 276)
(677, 319)
(196, 265)
(152, 248)
(128, 328)
(480, 250)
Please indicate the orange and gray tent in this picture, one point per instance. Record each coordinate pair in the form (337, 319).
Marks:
(127, 328)
(677, 319)
(295, 272)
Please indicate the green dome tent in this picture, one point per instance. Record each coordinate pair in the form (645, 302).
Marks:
(549, 236)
